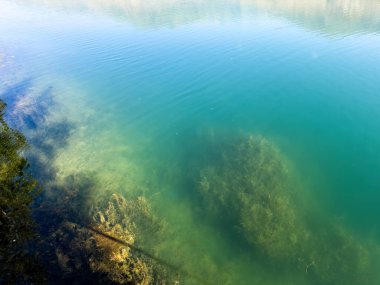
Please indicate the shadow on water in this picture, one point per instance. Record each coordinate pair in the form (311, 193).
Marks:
(60, 240)
(17, 190)
(21, 108)
(45, 144)
(28, 110)
(67, 244)
(63, 205)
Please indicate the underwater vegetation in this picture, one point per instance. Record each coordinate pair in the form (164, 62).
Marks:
(247, 181)
(127, 220)
(243, 178)
(94, 240)
(69, 251)
(18, 189)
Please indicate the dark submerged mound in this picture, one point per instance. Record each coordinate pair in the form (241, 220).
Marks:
(247, 181)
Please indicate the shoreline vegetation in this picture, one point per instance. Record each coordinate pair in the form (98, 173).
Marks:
(18, 190)
(242, 182)
(328, 17)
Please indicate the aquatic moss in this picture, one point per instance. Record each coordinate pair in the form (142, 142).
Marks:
(122, 219)
(102, 250)
(247, 181)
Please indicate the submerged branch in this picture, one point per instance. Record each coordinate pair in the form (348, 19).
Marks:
(147, 254)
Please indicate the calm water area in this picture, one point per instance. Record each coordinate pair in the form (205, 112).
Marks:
(140, 87)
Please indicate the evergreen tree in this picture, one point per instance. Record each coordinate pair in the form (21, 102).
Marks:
(17, 191)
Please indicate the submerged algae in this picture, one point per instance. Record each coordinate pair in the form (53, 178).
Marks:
(127, 220)
(249, 182)
(79, 240)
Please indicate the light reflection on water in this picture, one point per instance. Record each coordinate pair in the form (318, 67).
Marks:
(140, 79)
(345, 16)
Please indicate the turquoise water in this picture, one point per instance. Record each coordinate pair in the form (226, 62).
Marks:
(142, 83)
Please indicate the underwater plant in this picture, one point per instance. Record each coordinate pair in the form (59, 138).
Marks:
(102, 245)
(18, 189)
(247, 181)
(126, 220)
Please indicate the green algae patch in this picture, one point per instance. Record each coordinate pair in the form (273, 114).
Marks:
(248, 182)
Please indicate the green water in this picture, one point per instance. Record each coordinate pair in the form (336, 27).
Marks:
(142, 86)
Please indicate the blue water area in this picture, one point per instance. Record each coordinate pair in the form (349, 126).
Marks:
(147, 84)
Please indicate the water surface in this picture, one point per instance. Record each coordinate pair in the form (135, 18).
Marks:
(140, 82)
